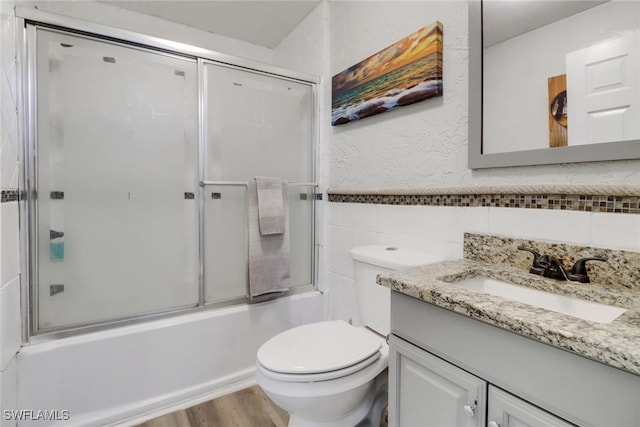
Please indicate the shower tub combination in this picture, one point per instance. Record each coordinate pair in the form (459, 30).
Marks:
(137, 153)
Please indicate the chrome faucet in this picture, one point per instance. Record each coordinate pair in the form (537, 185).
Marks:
(551, 266)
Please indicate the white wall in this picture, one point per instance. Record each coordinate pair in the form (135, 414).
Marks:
(306, 49)
(303, 49)
(425, 145)
(10, 338)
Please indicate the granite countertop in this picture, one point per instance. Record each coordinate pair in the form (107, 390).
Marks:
(616, 344)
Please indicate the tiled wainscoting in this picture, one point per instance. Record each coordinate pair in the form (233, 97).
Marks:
(437, 223)
(623, 199)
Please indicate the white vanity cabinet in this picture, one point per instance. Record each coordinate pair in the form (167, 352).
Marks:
(427, 391)
(447, 369)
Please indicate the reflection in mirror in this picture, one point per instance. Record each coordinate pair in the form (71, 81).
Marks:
(572, 81)
(560, 81)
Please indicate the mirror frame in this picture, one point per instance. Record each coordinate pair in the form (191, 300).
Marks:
(581, 153)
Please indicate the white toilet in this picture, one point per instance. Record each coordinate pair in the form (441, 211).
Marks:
(332, 374)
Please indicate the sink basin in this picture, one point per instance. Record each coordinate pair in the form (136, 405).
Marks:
(587, 310)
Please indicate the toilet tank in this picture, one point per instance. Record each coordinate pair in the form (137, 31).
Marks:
(374, 301)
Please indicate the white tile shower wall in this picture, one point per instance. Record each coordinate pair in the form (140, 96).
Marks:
(10, 328)
(120, 18)
(10, 339)
(305, 49)
(8, 394)
(9, 246)
(302, 49)
(8, 100)
(10, 320)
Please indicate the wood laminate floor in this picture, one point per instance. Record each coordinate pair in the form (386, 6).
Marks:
(246, 408)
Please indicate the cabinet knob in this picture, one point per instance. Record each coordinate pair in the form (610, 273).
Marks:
(469, 410)
(493, 424)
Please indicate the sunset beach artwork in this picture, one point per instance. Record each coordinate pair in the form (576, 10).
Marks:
(404, 73)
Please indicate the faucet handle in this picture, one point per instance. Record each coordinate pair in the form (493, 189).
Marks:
(579, 269)
(540, 262)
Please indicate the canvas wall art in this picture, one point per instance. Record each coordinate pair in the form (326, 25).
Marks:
(404, 73)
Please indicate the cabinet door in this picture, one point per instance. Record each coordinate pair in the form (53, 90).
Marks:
(427, 391)
(604, 91)
(507, 410)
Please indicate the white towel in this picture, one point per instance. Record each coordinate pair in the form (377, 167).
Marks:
(268, 268)
(271, 196)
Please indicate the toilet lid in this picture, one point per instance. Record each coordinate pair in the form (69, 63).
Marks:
(317, 347)
(320, 376)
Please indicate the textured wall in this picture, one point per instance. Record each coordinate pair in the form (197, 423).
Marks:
(425, 144)
(304, 48)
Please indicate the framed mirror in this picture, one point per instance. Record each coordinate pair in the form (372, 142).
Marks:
(553, 81)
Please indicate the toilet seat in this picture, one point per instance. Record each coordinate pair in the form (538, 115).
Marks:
(318, 352)
(321, 376)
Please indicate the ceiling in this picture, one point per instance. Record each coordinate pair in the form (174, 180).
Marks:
(504, 19)
(263, 23)
(266, 22)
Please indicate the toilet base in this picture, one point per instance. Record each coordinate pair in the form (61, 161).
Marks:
(369, 413)
(351, 420)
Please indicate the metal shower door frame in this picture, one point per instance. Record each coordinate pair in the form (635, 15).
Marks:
(28, 21)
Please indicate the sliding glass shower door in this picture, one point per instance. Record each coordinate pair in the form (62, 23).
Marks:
(256, 125)
(137, 167)
(117, 180)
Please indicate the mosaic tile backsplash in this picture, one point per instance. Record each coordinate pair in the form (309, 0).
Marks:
(622, 268)
(10, 196)
(14, 195)
(571, 202)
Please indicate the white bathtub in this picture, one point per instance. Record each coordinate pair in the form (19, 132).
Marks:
(130, 373)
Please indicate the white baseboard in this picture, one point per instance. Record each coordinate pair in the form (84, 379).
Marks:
(187, 403)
